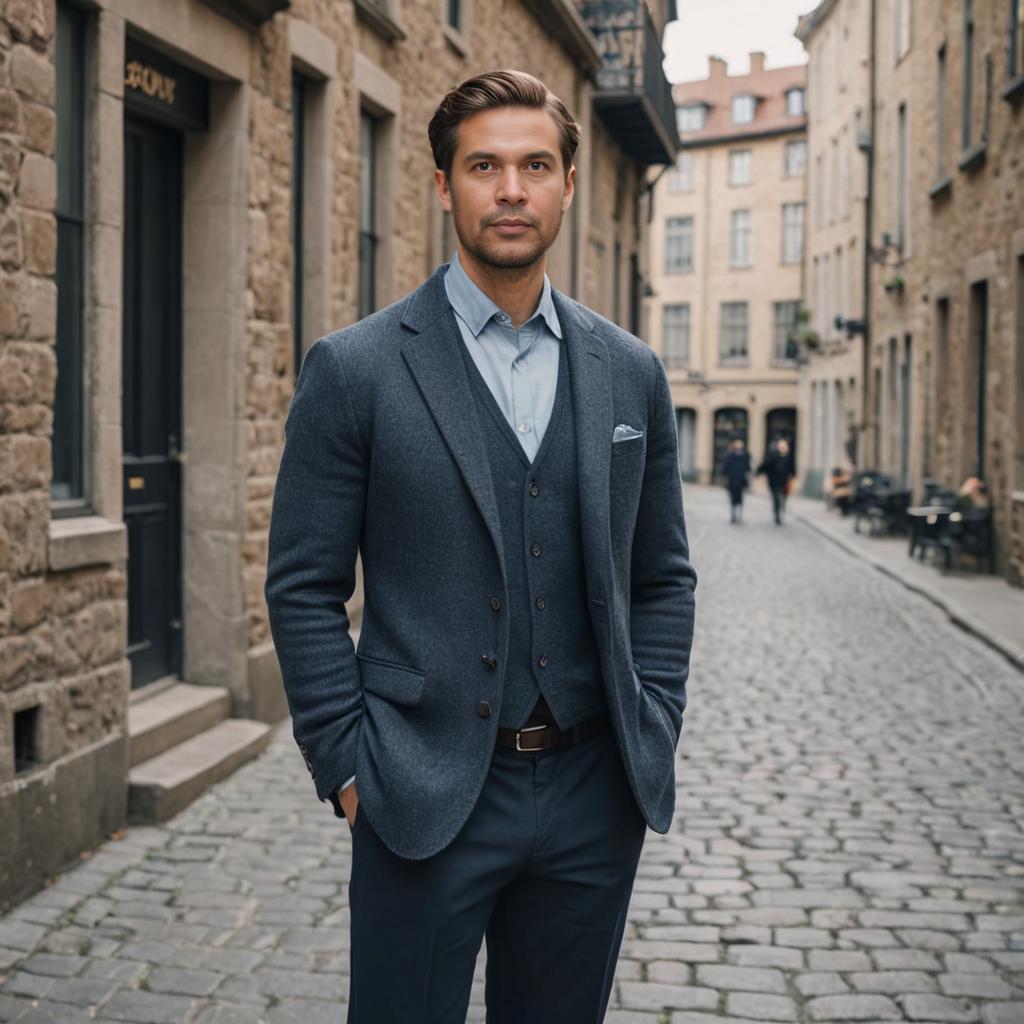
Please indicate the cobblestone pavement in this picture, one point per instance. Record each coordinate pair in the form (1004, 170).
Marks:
(849, 844)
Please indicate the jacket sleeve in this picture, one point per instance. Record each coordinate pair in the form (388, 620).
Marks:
(662, 579)
(315, 526)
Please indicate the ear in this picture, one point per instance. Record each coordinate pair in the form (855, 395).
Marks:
(443, 188)
(570, 188)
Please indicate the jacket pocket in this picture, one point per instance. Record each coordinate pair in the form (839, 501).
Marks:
(397, 683)
(629, 447)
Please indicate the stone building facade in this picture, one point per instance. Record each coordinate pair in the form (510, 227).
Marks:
(726, 264)
(230, 180)
(831, 379)
(945, 309)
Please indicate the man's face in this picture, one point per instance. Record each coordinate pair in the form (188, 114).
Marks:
(508, 189)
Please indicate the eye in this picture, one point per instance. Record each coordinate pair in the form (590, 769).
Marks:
(484, 164)
(537, 165)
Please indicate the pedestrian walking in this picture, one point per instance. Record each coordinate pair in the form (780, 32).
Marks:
(778, 470)
(504, 460)
(736, 467)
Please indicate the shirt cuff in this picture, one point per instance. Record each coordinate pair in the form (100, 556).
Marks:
(348, 783)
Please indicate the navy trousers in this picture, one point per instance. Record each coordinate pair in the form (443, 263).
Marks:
(543, 867)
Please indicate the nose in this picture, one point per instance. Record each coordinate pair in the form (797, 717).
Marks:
(510, 187)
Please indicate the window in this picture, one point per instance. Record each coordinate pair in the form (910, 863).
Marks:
(739, 167)
(680, 178)
(676, 335)
(796, 158)
(840, 291)
(819, 192)
(1016, 49)
(454, 13)
(901, 28)
(968, 92)
(739, 239)
(679, 245)
(902, 184)
(732, 340)
(368, 239)
(792, 232)
(795, 102)
(783, 327)
(298, 212)
(691, 117)
(940, 114)
(743, 109)
(69, 402)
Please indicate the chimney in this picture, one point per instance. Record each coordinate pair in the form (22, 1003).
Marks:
(756, 62)
(717, 67)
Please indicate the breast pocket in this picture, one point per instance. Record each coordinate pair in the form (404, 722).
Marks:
(632, 446)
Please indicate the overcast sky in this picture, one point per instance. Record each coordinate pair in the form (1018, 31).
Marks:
(731, 29)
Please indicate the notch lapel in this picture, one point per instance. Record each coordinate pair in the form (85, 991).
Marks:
(435, 360)
(590, 369)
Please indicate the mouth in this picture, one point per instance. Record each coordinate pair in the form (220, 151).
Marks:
(511, 227)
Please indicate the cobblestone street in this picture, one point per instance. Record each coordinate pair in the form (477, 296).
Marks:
(849, 842)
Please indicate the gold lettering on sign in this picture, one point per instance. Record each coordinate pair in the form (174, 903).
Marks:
(136, 483)
(150, 81)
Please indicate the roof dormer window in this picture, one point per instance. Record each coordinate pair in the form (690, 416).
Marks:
(795, 102)
(690, 118)
(743, 108)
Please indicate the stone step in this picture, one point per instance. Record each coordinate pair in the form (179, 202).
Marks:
(157, 723)
(164, 785)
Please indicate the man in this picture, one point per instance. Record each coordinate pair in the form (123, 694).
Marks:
(736, 470)
(778, 470)
(505, 461)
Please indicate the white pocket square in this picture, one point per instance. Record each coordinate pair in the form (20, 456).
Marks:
(624, 432)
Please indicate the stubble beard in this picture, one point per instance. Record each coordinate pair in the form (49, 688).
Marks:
(495, 254)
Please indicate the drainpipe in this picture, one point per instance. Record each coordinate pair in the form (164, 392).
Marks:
(869, 207)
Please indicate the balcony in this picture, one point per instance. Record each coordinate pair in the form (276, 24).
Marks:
(632, 96)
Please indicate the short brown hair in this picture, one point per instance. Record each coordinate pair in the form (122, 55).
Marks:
(489, 91)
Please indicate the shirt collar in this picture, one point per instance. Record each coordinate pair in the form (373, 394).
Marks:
(477, 309)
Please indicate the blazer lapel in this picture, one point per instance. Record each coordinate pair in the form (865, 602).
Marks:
(592, 401)
(435, 360)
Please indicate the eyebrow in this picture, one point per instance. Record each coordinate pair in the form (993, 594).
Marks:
(480, 155)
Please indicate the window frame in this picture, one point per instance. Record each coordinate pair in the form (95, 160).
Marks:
(743, 98)
(691, 108)
(800, 217)
(677, 181)
(794, 145)
(748, 163)
(69, 495)
(741, 239)
(685, 223)
(739, 324)
(677, 356)
(796, 90)
(779, 356)
(369, 240)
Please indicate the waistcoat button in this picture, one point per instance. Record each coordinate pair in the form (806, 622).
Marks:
(543, 661)
(540, 603)
(535, 551)
(534, 489)
(483, 709)
(495, 603)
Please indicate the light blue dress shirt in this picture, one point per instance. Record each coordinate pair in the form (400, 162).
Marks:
(519, 367)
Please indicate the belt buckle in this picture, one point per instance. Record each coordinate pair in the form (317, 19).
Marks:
(519, 732)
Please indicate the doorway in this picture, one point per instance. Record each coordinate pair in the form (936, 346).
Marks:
(151, 396)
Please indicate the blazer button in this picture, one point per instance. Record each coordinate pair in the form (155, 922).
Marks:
(540, 603)
(489, 661)
(543, 661)
(535, 550)
(495, 603)
(483, 709)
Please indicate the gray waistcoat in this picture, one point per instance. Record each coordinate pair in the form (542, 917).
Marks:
(552, 649)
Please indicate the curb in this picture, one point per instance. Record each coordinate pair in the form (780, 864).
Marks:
(956, 614)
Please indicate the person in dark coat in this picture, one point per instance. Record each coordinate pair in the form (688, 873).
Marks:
(778, 469)
(736, 469)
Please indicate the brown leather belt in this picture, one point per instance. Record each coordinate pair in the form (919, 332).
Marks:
(533, 738)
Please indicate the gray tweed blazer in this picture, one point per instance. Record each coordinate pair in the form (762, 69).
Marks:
(384, 456)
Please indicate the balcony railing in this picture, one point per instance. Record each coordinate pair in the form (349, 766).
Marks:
(633, 97)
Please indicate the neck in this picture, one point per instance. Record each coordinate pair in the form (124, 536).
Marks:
(516, 290)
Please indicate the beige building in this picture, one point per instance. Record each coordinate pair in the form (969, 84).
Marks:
(195, 190)
(945, 308)
(835, 35)
(727, 250)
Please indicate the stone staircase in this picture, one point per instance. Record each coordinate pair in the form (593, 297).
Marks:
(181, 742)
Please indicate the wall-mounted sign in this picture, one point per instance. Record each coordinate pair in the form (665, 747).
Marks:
(162, 89)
